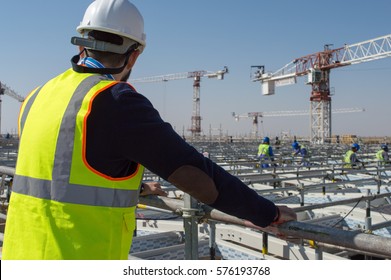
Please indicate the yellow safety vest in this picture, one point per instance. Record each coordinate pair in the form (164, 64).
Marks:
(60, 207)
(263, 149)
(347, 160)
(379, 155)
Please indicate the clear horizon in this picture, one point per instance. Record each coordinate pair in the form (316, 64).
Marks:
(184, 36)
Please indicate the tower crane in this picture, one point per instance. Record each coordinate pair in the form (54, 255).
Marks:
(4, 89)
(196, 76)
(317, 68)
(255, 115)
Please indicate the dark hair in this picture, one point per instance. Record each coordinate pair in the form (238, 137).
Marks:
(107, 58)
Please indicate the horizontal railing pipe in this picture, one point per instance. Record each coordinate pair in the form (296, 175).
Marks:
(349, 239)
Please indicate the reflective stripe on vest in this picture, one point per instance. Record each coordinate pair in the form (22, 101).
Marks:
(25, 108)
(60, 188)
(60, 207)
(77, 194)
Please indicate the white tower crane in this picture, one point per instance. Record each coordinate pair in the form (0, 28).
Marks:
(4, 89)
(196, 76)
(317, 67)
(255, 115)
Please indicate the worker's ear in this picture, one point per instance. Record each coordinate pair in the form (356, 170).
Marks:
(82, 54)
(132, 59)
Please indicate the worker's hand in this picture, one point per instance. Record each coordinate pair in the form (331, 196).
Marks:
(153, 188)
(286, 214)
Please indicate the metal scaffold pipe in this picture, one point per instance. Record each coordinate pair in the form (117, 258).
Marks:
(340, 202)
(347, 239)
(7, 170)
(354, 240)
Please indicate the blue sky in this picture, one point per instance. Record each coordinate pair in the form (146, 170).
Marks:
(186, 36)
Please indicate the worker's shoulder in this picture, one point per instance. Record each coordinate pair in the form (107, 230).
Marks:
(123, 89)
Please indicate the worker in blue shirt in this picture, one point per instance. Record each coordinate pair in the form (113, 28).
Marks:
(302, 151)
(265, 153)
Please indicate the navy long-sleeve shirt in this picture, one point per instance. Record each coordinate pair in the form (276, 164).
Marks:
(124, 128)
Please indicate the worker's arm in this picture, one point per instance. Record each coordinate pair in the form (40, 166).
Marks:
(145, 138)
(386, 157)
(353, 158)
(271, 154)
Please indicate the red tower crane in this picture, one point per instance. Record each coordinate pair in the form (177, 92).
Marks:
(196, 76)
(317, 67)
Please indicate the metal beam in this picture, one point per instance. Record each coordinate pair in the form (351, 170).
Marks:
(349, 239)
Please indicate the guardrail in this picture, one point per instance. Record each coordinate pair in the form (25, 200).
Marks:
(196, 213)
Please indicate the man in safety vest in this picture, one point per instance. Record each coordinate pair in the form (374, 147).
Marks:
(382, 155)
(302, 151)
(350, 157)
(265, 153)
(86, 137)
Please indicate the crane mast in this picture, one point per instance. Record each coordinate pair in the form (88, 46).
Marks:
(196, 116)
(4, 89)
(317, 67)
(196, 76)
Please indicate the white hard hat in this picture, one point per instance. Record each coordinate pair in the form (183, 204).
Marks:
(118, 17)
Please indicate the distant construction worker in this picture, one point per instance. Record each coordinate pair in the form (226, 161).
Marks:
(265, 153)
(302, 151)
(277, 143)
(350, 158)
(382, 155)
(86, 137)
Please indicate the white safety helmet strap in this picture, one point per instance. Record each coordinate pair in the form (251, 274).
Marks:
(118, 17)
